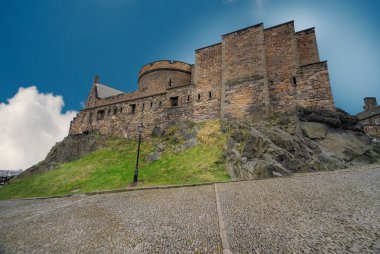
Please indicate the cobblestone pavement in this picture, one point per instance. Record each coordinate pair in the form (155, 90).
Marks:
(180, 220)
(327, 212)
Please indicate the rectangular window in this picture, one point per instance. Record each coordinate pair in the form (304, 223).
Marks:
(160, 103)
(174, 101)
(294, 80)
(133, 108)
(142, 107)
(151, 104)
(199, 96)
(188, 98)
(121, 110)
(115, 111)
(100, 115)
(209, 95)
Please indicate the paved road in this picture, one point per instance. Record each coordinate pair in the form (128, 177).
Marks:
(327, 212)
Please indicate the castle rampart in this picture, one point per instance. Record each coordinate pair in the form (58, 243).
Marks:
(252, 73)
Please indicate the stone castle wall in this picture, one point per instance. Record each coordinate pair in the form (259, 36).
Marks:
(282, 64)
(313, 87)
(253, 73)
(307, 46)
(244, 75)
(208, 78)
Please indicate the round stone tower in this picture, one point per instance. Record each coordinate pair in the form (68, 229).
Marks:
(160, 75)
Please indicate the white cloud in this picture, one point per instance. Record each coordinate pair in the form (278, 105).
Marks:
(30, 124)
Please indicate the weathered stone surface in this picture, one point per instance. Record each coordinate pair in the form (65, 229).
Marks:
(157, 132)
(156, 155)
(335, 119)
(314, 130)
(370, 117)
(347, 146)
(307, 46)
(153, 157)
(266, 149)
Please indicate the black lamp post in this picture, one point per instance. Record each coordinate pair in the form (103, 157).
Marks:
(140, 128)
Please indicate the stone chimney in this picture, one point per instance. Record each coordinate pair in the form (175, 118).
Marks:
(369, 103)
(96, 79)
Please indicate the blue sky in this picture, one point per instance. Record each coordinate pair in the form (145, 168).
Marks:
(59, 45)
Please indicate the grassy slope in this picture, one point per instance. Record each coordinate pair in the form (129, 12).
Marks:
(113, 167)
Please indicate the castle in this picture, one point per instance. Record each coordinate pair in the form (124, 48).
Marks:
(252, 73)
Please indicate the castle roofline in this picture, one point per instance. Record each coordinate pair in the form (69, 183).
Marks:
(320, 62)
(122, 101)
(369, 113)
(240, 30)
(283, 24)
(209, 46)
(307, 30)
(103, 91)
(162, 61)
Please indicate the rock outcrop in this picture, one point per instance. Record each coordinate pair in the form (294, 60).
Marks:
(302, 142)
(311, 141)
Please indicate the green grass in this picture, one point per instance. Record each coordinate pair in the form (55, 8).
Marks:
(113, 167)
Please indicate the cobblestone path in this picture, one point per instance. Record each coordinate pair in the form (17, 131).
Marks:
(323, 213)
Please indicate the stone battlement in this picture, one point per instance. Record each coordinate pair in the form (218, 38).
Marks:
(164, 64)
(252, 73)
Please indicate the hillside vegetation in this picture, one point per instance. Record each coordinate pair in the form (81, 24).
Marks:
(188, 153)
(191, 153)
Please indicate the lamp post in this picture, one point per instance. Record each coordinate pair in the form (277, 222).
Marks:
(140, 128)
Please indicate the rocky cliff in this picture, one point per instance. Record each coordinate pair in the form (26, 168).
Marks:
(283, 145)
(308, 141)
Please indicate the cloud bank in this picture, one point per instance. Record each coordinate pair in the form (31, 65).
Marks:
(30, 124)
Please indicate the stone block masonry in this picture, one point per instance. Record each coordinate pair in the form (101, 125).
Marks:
(370, 117)
(252, 73)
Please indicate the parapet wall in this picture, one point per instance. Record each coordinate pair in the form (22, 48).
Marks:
(244, 75)
(307, 46)
(164, 64)
(313, 87)
(282, 63)
(208, 79)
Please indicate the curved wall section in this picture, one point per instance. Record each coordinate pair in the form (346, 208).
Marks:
(161, 75)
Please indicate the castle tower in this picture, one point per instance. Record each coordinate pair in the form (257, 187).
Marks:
(158, 76)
